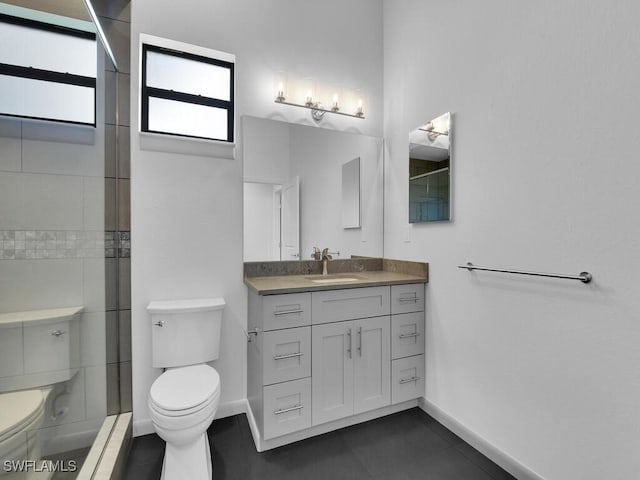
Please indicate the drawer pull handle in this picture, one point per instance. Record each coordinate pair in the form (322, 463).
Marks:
(408, 335)
(285, 410)
(409, 380)
(287, 312)
(407, 299)
(58, 333)
(289, 355)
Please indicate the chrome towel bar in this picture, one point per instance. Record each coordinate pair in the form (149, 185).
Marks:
(584, 277)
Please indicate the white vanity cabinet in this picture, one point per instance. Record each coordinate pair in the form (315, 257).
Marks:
(321, 358)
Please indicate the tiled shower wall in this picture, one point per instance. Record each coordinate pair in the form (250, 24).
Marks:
(65, 238)
(115, 17)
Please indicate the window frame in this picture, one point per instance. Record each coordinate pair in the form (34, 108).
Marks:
(155, 92)
(50, 76)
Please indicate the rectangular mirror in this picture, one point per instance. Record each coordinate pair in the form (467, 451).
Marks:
(430, 171)
(294, 190)
(351, 194)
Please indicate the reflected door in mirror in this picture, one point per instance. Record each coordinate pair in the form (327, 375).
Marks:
(290, 226)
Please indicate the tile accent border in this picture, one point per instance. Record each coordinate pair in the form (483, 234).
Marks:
(58, 244)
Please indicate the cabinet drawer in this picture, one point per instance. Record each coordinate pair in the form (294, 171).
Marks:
(407, 298)
(407, 378)
(286, 355)
(286, 311)
(337, 305)
(287, 407)
(407, 334)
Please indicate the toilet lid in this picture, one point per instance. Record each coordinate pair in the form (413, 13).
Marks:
(185, 387)
(18, 409)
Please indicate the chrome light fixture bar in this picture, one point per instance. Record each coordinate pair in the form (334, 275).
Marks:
(317, 109)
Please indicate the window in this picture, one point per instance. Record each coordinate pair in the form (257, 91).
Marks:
(187, 94)
(47, 72)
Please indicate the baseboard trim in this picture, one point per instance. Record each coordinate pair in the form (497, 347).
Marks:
(228, 409)
(263, 445)
(489, 450)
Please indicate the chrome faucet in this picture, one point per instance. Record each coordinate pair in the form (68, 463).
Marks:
(323, 255)
(325, 260)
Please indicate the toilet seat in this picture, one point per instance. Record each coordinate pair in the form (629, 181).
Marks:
(182, 413)
(19, 410)
(185, 390)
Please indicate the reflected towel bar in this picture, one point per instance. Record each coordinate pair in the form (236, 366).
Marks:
(584, 277)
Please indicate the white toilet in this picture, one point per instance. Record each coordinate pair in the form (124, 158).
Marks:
(184, 399)
(39, 350)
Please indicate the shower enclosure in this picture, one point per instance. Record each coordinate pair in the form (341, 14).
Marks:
(65, 360)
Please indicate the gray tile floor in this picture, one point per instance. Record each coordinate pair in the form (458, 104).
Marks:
(403, 446)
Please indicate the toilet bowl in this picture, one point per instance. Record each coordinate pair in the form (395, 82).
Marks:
(182, 404)
(184, 399)
(21, 415)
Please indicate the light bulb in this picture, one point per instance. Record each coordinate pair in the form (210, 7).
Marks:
(335, 107)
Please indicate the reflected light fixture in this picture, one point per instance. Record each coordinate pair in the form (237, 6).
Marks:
(317, 109)
(434, 130)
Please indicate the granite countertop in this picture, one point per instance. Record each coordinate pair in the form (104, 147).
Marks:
(270, 278)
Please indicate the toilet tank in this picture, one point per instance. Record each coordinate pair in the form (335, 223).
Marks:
(39, 347)
(185, 332)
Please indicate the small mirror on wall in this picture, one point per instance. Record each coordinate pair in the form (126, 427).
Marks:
(430, 171)
(351, 194)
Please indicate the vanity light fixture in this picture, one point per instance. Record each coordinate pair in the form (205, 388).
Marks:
(430, 128)
(317, 109)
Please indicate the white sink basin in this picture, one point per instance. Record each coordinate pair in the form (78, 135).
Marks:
(329, 279)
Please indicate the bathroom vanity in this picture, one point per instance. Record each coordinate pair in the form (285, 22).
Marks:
(330, 351)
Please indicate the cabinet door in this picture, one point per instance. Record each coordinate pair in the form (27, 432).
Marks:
(372, 366)
(331, 371)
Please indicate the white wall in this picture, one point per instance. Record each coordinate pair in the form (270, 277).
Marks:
(546, 177)
(187, 210)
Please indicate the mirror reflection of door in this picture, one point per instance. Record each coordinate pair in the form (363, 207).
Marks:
(271, 221)
(290, 220)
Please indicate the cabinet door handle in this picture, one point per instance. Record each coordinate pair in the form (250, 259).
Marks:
(408, 335)
(287, 312)
(360, 340)
(289, 355)
(58, 333)
(407, 299)
(409, 380)
(285, 410)
(349, 347)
